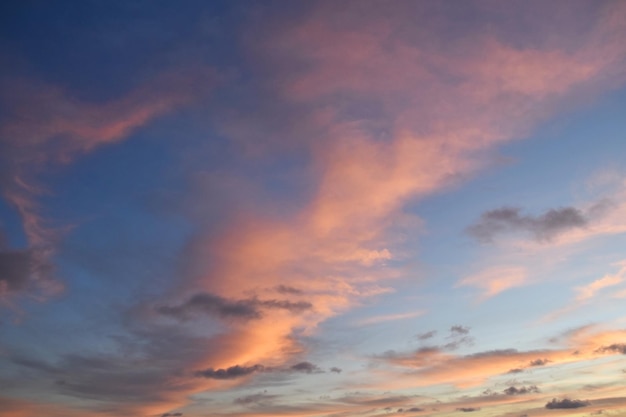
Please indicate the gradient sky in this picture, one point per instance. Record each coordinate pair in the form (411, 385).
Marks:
(312, 208)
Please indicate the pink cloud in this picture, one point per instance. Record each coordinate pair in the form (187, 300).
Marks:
(443, 110)
(495, 280)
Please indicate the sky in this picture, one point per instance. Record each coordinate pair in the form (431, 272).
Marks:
(314, 208)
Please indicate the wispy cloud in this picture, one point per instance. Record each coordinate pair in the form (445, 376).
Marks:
(495, 280)
(390, 317)
(588, 293)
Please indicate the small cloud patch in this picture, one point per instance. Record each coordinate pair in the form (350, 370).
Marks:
(565, 403)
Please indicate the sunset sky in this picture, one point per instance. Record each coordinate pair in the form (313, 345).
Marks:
(312, 208)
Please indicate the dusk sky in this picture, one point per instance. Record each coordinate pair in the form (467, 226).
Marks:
(312, 208)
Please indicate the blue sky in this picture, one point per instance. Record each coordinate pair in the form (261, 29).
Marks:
(316, 208)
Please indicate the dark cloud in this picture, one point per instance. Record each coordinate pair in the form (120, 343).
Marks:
(229, 373)
(414, 410)
(539, 362)
(15, 269)
(35, 364)
(555, 404)
(306, 367)
(284, 289)
(515, 371)
(614, 348)
(150, 365)
(521, 390)
(459, 330)
(141, 370)
(455, 344)
(510, 219)
(22, 269)
(426, 336)
(212, 305)
(335, 370)
(295, 307)
(468, 409)
(460, 336)
(255, 399)
(221, 307)
(494, 353)
(171, 415)
(358, 398)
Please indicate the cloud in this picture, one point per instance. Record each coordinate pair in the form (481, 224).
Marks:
(232, 372)
(212, 305)
(25, 270)
(495, 280)
(293, 307)
(390, 317)
(335, 370)
(285, 289)
(433, 365)
(460, 336)
(146, 371)
(468, 409)
(565, 403)
(11, 407)
(512, 390)
(510, 219)
(459, 330)
(255, 399)
(15, 270)
(587, 293)
(539, 362)
(242, 309)
(613, 348)
(171, 414)
(305, 367)
(426, 335)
